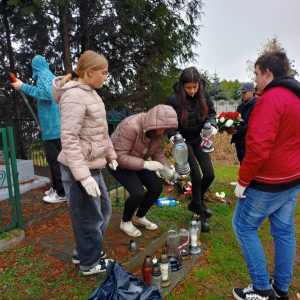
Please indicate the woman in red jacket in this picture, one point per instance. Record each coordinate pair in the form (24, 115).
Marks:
(136, 139)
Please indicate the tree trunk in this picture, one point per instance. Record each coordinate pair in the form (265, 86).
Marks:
(16, 104)
(84, 25)
(20, 149)
(65, 39)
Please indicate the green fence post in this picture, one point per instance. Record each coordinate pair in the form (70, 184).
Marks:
(8, 178)
(15, 174)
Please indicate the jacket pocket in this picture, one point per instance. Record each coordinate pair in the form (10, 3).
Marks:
(93, 151)
(86, 151)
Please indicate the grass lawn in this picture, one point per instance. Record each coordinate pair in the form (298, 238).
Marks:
(222, 266)
(29, 272)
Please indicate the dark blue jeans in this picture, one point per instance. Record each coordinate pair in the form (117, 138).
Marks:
(249, 214)
(89, 215)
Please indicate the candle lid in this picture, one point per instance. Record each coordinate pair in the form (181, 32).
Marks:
(132, 245)
(193, 223)
(164, 257)
(148, 261)
(156, 270)
(207, 125)
(178, 137)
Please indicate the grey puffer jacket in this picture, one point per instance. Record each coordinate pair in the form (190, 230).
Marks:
(131, 143)
(84, 131)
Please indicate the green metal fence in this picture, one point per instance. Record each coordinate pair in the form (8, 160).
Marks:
(10, 210)
(30, 146)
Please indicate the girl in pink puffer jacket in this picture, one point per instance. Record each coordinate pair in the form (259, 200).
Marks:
(136, 139)
(86, 148)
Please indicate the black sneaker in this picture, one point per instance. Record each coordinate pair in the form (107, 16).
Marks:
(250, 293)
(204, 224)
(282, 295)
(76, 261)
(100, 268)
(207, 212)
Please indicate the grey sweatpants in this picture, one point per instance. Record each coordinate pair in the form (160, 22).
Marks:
(89, 215)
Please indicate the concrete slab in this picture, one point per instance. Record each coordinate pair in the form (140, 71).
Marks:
(13, 241)
(177, 276)
(116, 245)
(25, 170)
(34, 183)
(116, 242)
(159, 243)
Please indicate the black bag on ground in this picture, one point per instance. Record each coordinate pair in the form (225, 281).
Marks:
(121, 285)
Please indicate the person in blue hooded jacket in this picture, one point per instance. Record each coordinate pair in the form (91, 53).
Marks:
(49, 117)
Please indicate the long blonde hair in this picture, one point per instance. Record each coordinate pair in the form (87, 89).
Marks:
(88, 60)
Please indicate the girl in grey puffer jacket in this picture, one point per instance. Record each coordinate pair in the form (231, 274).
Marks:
(86, 148)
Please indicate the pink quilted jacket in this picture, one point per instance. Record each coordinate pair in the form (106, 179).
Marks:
(84, 131)
(130, 141)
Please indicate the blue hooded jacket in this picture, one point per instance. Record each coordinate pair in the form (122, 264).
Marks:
(48, 110)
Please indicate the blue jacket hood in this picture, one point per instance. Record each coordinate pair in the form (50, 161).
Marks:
(38, 64)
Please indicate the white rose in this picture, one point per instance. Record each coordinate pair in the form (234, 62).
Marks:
(222, 119)
(228, 123)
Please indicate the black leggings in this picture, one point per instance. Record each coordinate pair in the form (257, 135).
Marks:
(134, 182)
(199, 187)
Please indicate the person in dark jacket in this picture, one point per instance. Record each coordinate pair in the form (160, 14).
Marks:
(245, 109)
(269, 179)
(193, 106)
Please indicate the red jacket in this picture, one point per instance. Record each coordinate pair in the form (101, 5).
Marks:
(273, 139)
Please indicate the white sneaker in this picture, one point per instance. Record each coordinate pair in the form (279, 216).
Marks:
(233, 183)
(143, 222)
(76, 261)
(101, 267)
(49, 192)
(54, 198)
(128, 228)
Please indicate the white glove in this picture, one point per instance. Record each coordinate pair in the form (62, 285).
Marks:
(153, 165)
(113, 164)
(172, 140)
(214, 130)
(239, 191)
(91, 186)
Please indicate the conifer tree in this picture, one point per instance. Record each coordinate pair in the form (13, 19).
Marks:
(216, 91)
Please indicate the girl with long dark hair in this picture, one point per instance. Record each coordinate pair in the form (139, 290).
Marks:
(193, 105)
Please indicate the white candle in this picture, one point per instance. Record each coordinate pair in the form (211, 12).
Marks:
(194, 241)
(164, 271)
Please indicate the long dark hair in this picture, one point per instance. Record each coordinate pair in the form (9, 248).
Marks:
(189, 75)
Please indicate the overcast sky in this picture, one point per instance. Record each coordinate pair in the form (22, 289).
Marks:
(233, 31)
